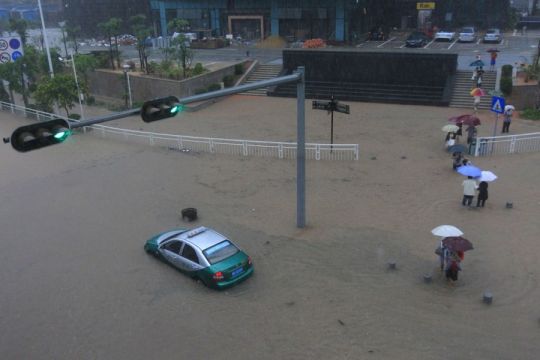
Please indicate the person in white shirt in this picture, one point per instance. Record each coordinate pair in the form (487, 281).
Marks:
(469, 189)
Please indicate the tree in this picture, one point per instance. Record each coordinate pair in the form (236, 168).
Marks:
(61, 89)
(20, 26)
(73, 32)
(84, 64)
(181, 52)
(141, 31)
(9, 74)
(110, 29)
(177, 25)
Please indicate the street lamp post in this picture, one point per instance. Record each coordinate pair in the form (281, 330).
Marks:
(45, 40)
(129, 100)
(62, 25)
(79, 94)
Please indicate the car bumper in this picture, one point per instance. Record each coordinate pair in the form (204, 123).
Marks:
(227, 284)
(490, 39)
(466, 38)
(414, 44)
(447, 38)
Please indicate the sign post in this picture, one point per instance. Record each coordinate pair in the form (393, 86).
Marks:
(497, 106)
(331, 106)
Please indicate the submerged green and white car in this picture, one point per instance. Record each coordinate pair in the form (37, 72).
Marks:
(204, 254)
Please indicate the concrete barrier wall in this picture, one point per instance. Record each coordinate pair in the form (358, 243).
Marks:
(523, 96)
(111, 84)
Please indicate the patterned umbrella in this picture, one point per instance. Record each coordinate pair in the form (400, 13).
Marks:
(478, 92)
(457, 243)
(465, 120)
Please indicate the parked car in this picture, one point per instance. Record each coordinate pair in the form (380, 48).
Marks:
(203, 254)
(377, 34)
(467, 34)
(493, 35)
(417, 39)
(445, 34)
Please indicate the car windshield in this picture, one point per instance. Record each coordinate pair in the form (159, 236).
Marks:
(445, 31)
(416, 35)
(467, 30)
(492, 31)
(220, 252)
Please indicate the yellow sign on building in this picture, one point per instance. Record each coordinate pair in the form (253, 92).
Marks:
(425, 6)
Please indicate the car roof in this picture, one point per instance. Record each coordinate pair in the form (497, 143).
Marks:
(202, 237)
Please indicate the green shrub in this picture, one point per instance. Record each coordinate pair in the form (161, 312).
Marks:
(213, 87)
(238, 69)
(198, 69)
(228, 80)
(74, 116)
(153, 67)
(506, 85)
(506, 71)
(200, 91)
(90, 100)
(530, 114)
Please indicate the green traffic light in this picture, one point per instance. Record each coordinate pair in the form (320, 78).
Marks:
(62, 135)
(177, 108)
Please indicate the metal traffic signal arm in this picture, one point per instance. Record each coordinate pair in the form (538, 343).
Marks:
(30, 137)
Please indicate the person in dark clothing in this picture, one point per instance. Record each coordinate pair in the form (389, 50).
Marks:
(482, 194)
(459, 132)
(458, 158)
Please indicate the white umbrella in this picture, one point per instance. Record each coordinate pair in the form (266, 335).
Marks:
(487, 176)
(446, 230)
(509, 107)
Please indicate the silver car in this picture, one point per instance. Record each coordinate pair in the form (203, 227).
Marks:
(493, 35)
(445, 34)
(467, 34)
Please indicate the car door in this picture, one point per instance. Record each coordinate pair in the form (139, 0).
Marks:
(190, 259)
(171, 252)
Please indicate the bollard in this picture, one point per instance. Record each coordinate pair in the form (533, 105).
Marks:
(392, 265)
(488, 297)
(427, 278)
(189, 213)
(509, 205)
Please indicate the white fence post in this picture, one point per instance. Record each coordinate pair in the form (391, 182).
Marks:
(512, 145)
(280, 150)
(245, 148)
(318, 152)
(179, 140)
(151, 138)
(211, 144)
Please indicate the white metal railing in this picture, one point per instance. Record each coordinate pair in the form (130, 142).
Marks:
(281, 150)
(507, 144)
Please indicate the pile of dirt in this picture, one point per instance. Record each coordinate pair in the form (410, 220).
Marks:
(272, 42)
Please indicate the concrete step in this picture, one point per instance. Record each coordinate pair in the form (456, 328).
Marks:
(262, 72)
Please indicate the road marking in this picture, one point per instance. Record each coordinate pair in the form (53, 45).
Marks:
(402, 46)
(360, 45)
(387, 41)
(478, 42)
(429, 43)
(452, 44)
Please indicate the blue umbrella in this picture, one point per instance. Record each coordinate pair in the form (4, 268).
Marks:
(469, 170)
(477, 63)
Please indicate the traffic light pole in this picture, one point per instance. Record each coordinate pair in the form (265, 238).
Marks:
(298, 77)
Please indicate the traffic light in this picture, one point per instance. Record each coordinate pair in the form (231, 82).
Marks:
(36, 136)
(161, 108)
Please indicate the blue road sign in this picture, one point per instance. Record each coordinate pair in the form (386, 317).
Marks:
(497, 104)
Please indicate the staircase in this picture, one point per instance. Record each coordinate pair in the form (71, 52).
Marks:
(463, 85)
(262, 72)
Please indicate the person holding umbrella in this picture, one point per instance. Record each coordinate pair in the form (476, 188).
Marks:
(482, 194)
(508, 112)
(469, 190)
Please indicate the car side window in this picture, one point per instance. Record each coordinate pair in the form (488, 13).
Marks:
(173, 246)
(190, 254)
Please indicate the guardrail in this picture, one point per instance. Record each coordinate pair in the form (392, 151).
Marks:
(507, 144)
(281, 150)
